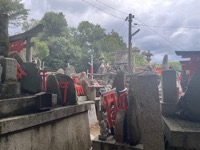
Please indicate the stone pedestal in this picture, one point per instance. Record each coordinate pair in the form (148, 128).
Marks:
(9, 66)
(169, 92)
(9, 90)
(151, 123)
(181, 134)
(111, 144)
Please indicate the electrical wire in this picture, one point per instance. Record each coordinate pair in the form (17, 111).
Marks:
(155, 26)
(121, 26)
(112, 7)
(159, 34)
(102, 10)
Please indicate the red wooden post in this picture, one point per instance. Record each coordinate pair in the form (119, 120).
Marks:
(122, 101)
(43, 73)
(64, 86)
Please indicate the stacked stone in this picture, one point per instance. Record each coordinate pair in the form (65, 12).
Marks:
(9, 87)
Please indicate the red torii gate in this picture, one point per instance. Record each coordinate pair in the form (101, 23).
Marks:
(17, 42)
(192, 64)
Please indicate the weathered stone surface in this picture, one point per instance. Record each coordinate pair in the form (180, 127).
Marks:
(9, 66)
(71, 91)
(9, 90)
(44, 101)
(119, 126)
(151, 123)
(63, 128)
(17, 106)
(70, 70)
(182, 134)
(17, 57)
(119, 81)
(110, 144)
(4, 40)
(92, 115)
(32, 82)
(189, 104)
(53, 87)
(169, 88)
(17, 123)
(133, 112)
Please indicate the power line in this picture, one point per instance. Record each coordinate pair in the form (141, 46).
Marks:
(102, 10)
(155, 26)
(112, 7)
(121, 26)
(159, 34)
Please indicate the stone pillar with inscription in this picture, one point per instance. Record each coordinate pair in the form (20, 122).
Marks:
(151, 121)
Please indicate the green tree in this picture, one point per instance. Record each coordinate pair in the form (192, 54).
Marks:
(29, 24)
(41, 49)
(94, 40)
(15, 10)
(55, 24)
(61, 52)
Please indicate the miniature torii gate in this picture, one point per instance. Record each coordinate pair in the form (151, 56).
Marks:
(192, 64)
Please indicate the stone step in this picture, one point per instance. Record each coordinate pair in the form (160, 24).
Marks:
(18, 106)
(110, 144)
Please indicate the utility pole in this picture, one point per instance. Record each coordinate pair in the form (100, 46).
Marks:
(129, 18)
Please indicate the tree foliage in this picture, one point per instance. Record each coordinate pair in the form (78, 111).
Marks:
(41, 49)
(55, 24)
(61, 51)
(15, 10)
(29, 24)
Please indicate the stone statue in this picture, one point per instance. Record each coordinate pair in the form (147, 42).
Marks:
(165, 63)
(104, 128)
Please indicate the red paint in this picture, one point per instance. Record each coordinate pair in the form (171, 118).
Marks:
(64, 86)
(17, 46)
(20, 72)
(43, 73)
(122, 101)
(109, 98)
(79, 90)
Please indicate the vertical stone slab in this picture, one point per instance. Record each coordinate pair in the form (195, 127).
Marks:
(119, 81)
(169, 92)
(133, 112)
(4, 41)
(9, 66)
(151, 123)
(169, 89)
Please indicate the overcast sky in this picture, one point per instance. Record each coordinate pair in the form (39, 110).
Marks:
(169, 16)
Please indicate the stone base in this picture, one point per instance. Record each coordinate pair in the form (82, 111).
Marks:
(17, 106)
(168, 108)
(181, 134)
(9, 90)
(82, 98)
(110, 144)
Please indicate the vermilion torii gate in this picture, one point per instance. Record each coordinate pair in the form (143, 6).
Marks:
(192, 64)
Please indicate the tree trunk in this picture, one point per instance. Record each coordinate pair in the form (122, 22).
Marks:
(4, 39)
